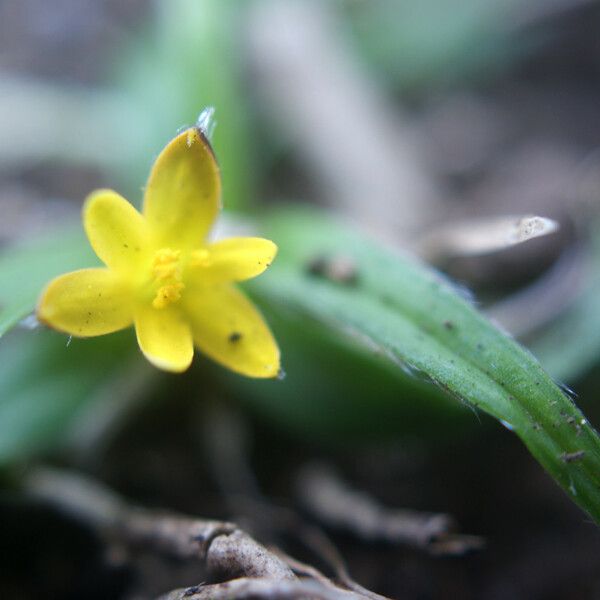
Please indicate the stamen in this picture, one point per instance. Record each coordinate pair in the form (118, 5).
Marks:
(167, 294)
(200, 258)
(165, 257)
(162, 272)
(167, 270)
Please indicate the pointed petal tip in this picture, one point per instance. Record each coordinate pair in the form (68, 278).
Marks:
(183, 194)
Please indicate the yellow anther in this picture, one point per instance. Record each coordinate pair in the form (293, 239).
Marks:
(200, 258)
(167, 294)
(167, 271)
(166, 263)
(165, 256)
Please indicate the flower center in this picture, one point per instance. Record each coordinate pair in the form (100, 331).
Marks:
(200, 258)
(166, 268)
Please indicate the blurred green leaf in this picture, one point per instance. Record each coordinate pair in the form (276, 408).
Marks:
(46, 383)
(340, 390)
(187, 59)
(410, 313)
(24, 270)
(428, 43)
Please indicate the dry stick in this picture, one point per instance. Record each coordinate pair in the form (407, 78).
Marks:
(226, 443)
(310, 535)
(223, 547)
(261, 588)
(482, 235)
(226, 550)
(362, 150)
(315, 539)
(541, 302)
(301, 568)
(69, 123)
(335, 504)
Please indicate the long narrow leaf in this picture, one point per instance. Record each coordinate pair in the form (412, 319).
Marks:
(420, 320)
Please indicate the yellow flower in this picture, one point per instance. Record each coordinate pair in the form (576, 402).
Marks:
(162, 275)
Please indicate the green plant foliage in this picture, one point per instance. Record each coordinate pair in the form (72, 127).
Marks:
(340, 390)
(421, 44)
(188, 58)
(333, 291)
(24, 270)
(419, 320)
(47, 382)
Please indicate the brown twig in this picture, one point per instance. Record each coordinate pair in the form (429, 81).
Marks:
(267, 589)
(247, 567)
(226, 444)
(344, 578)
(337, 505)
(93, 504)
(353, 138)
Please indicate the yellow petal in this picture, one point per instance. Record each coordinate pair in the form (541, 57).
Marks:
(116, 230)
(183, 193)
(234, 259)
(164, 337)
(229, 329)
(86, 303)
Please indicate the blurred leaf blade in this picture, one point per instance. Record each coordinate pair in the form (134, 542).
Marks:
(46, 382)
(186, 60)
(341, 372)
(25, 269)
(416, 317)
(435, 42)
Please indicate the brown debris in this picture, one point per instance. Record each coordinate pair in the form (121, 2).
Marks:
(339, 269)
(338, 506)
(570, 457)
(263, 589)
(246, 568)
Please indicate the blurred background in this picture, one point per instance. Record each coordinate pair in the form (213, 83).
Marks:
(430, 124)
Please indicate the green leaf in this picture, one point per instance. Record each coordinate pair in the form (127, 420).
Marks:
(432, 43)
(411, 313)
(405, 311)
(47, 382)
(341, 391)
(188, 58)
(24, 270)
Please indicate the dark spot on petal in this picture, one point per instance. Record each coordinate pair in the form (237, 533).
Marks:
(234, 336)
